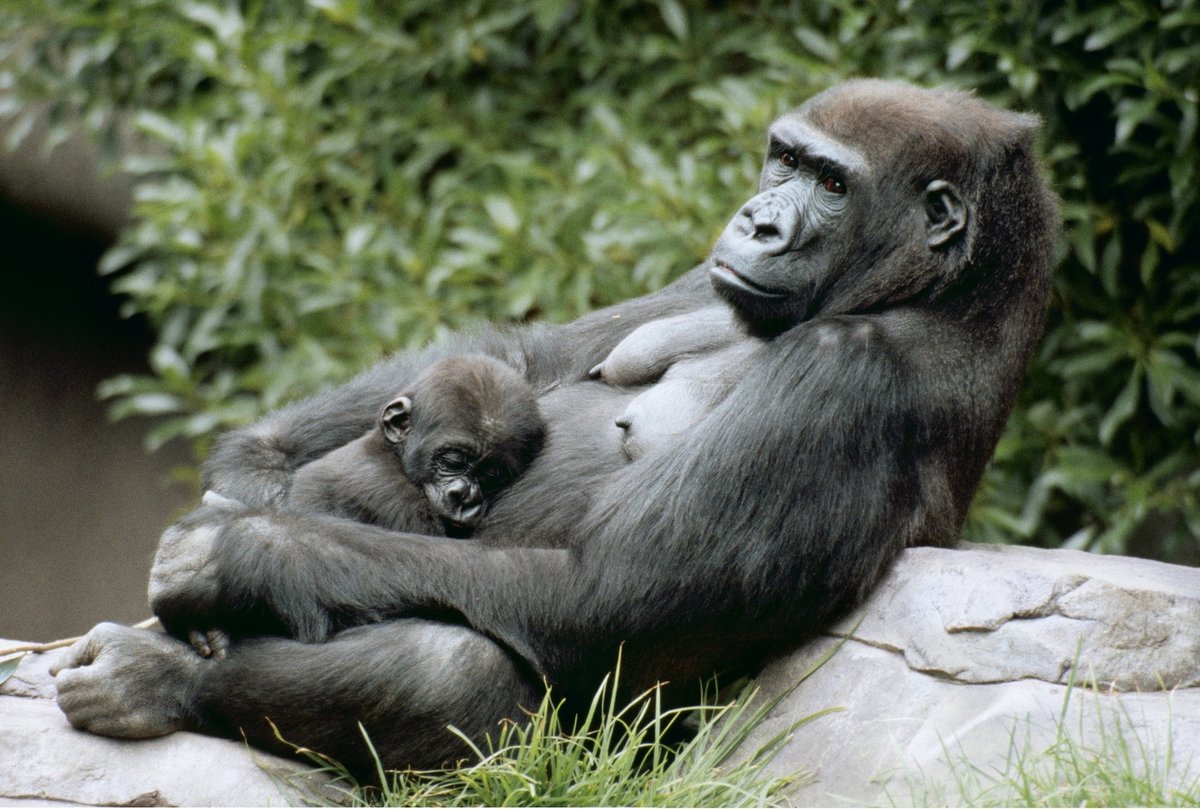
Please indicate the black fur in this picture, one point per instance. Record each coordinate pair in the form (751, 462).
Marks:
(889, 345)
(396, 476)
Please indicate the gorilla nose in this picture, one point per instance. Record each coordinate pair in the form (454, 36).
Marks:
(463, 493)
(764, 224)
(770, 220)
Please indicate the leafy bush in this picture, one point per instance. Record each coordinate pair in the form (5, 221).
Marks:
(323, 181)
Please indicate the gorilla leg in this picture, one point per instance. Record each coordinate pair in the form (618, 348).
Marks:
(410, 679)
(405, 681)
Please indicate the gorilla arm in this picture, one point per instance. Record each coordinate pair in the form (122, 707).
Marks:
(253, 465)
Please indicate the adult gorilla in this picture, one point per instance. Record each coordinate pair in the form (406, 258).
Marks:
(891, 278)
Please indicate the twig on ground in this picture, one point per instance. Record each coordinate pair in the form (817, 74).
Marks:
(39, 648)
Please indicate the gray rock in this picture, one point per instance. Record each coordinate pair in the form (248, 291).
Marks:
(963, 656)
(46, 762)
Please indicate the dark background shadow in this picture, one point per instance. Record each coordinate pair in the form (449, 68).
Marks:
(81, 503)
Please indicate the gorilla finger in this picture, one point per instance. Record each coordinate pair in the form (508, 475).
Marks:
(200, 642)
(81, 653)
(79, 694)
(66, 680)
(218, 643)
(77, 655)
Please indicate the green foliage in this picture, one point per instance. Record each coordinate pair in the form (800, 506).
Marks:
(322, 181)
(616, 755)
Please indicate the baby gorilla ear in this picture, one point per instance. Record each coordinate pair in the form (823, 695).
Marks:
(396, 419)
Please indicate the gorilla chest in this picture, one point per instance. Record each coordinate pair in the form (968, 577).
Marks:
(657, 418)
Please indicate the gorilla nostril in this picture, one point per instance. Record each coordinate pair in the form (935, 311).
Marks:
(765, 221)
(623, 422)
(766, 230)
(458, 490)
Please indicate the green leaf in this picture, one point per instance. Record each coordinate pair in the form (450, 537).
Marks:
(960, 50)
(1161, 374)
(1082, 238)
(145, 404)
(1131, 114)
(1080, 464)
(1160, 235)
(1090, 362)
(1103, 37)
(117, 257)
(161, 127)
(816, 44)
(675, 18)
(1110, 265)
(1183, 18)
(503, 213)
(8, 666)
(167, 362)
(1123, 407)
(226, 23)
(1148, 264)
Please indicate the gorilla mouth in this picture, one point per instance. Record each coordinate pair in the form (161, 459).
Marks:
(724, 274)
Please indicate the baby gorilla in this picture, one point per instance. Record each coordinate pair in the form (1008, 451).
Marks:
(438, 455)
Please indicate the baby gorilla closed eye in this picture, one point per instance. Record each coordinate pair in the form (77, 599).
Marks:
(438, 455)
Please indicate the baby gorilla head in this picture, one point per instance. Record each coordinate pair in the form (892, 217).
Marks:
(468, 427)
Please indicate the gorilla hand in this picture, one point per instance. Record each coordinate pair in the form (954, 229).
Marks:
(210, 643)
(649, 350)
(126, 682)
(216, 570)
(183, 578)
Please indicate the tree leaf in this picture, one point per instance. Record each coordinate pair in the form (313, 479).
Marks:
(8, 666)
(675, 18)
(1123, 407)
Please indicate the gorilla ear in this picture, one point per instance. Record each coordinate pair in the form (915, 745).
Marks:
(945, 214)
(396, 419)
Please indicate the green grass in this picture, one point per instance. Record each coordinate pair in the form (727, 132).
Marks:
(1103, 760)
(616, 755)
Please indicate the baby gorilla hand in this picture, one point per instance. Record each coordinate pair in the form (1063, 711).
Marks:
(213, 643)
(128, 683)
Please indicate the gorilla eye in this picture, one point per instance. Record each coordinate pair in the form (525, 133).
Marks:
(453, 462)
(832, 184)
(788, 159)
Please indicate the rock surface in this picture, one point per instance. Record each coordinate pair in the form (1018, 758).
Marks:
(962, 653)
(46, 762)
(960, 656)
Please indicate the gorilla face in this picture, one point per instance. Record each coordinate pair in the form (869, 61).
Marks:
(778, 250)
(830, 233)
